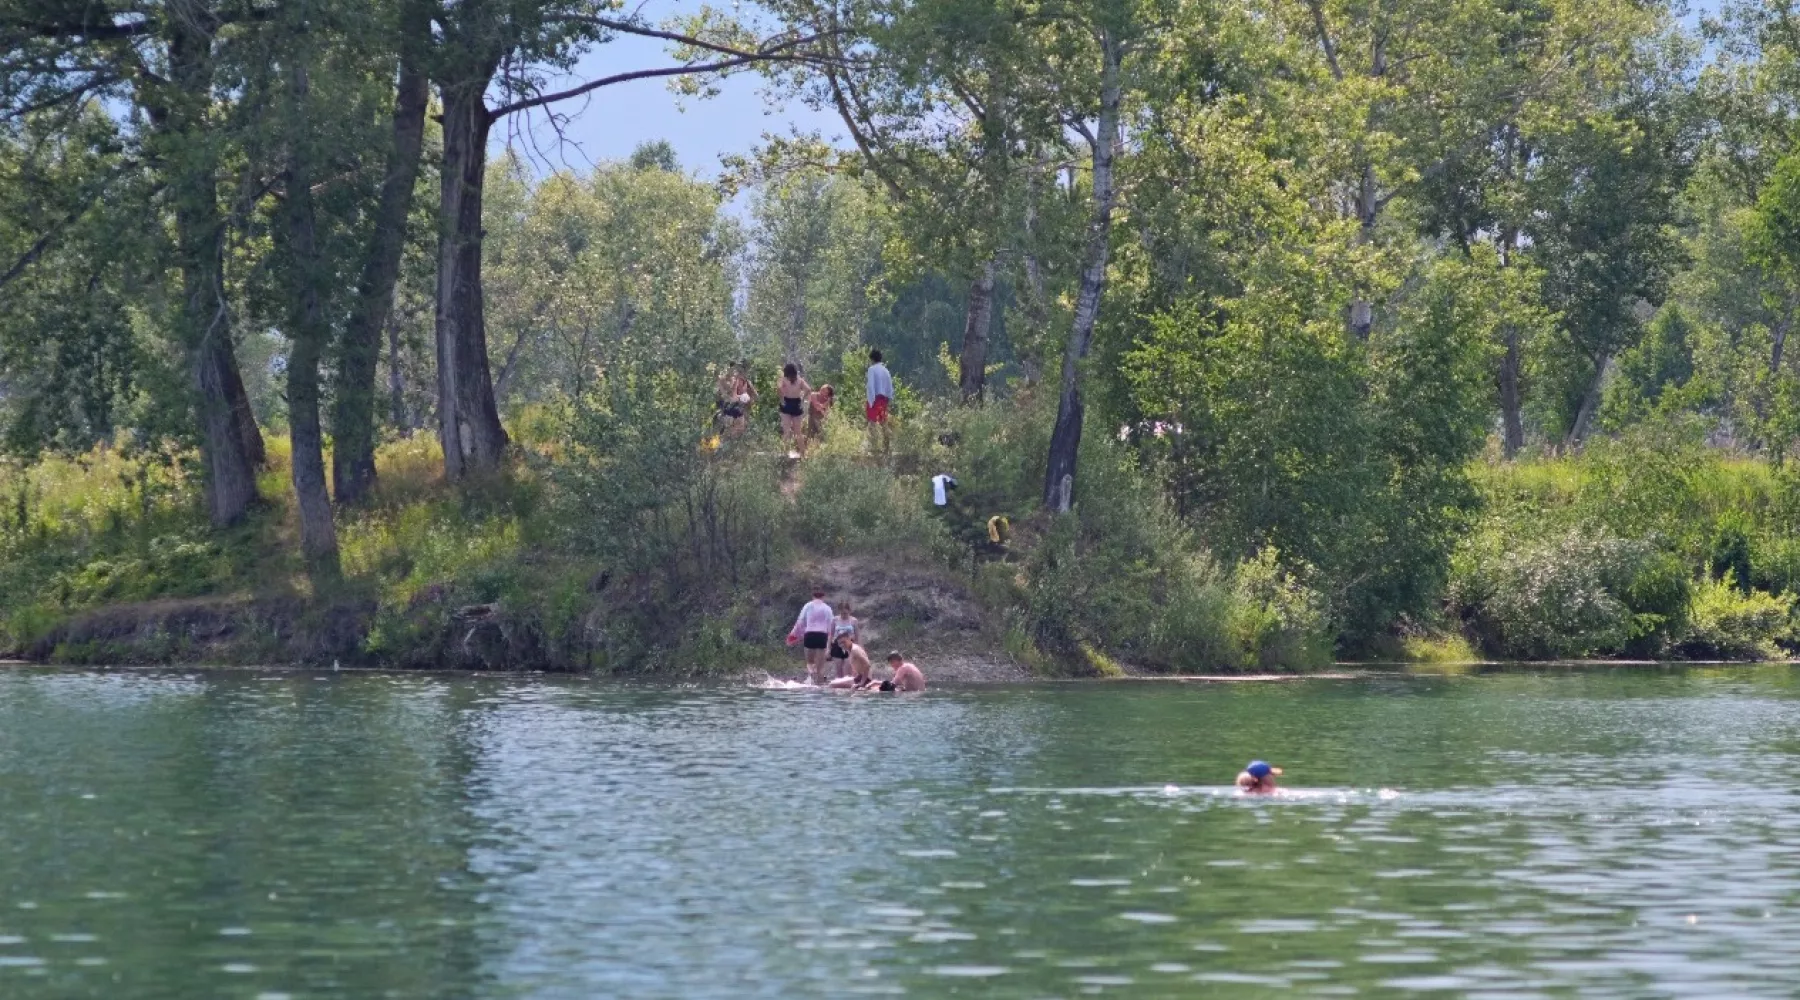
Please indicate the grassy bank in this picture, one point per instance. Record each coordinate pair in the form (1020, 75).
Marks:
(1648, 545)
(663, 558)
(672, 557)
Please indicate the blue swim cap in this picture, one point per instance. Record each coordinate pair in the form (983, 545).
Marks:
(1258, 769)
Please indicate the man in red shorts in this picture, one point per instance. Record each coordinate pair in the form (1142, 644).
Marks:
(880, 395)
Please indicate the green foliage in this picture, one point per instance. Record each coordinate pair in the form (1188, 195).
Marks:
(1277, 620)
(1728, 622)
(844, 505)
(1730, 555)
(1120, 573)
(1551, 598)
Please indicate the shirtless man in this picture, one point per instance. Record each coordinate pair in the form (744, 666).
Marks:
(906, 676)
(858, 659)
(1257, 778)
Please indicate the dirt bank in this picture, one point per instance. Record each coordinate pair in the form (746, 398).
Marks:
(923, 612)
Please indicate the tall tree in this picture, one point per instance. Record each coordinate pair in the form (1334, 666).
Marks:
(164, 58)
(353, 415)
(509, 45)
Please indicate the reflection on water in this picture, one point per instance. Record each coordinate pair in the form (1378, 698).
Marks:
(1626, 833)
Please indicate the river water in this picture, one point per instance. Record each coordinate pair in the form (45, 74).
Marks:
(1630, 833)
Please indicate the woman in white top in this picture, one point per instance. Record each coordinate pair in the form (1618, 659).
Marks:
(813, 629)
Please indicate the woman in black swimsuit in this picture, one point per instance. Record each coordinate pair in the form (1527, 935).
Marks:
(794, 393)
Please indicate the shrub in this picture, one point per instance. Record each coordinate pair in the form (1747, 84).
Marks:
(1730, 555)
(1727, 623)
(843, 505)
(1549, 598)
(1121, 575)
(1276, 619)
(1658, 597)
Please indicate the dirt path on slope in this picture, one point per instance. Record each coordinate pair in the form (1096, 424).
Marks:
(925, 613)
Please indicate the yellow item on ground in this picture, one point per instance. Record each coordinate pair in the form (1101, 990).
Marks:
(998, 527)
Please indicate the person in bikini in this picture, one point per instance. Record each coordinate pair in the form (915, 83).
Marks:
(813, 630)
(843, 625)
(794, 395)
(734, 396)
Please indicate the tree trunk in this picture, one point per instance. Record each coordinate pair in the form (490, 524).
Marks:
(308, 332)
(1368, 207)
(796, 329)
(241, 412)
(1780, 341)
(1512, 420)
(979, 321)
(1065, 440)
(468, 421)
(230, 444)
(353, 417)
(1037, 306)
(1590, 405)
(397, 381)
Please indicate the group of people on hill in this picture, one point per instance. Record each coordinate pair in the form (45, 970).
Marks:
(803, 408)
(834, 638)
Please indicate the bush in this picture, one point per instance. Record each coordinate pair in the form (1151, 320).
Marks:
(1658, 597)
(1276, 619)
(1726, 623)
(843, 505)
(1550, 598)
(1121, 575)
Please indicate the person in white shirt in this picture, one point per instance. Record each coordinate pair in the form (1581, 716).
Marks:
(880, 396)
(813, 629)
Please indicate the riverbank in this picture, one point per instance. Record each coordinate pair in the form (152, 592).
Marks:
(559, 565)
(556, 565)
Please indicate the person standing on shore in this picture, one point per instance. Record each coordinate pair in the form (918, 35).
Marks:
(880, 385)
(812, 629)
(844, 626)
(818, 408)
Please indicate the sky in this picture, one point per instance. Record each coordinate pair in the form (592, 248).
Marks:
(614, 120)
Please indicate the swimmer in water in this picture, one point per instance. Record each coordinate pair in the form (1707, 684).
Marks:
(906, 676)
(1257, 778)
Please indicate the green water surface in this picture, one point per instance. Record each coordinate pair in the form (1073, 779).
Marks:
(1628, 833)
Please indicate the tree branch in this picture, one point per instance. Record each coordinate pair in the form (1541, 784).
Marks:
(95, 30)
(74, 96)
(776, 53)
(1325, 42)
(692, 41)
